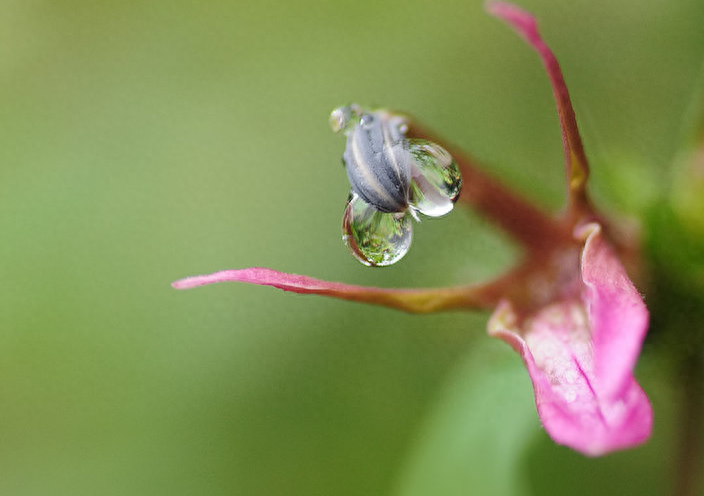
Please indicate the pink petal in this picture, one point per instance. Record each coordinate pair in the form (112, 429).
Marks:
(411, 300)
(616, 310)
(525, 24)
(580, 355)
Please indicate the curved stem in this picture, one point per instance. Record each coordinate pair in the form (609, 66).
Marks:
(526, 25)
(534, 228)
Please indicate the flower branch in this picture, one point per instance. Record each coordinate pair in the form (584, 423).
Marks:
(536, 230)
(568, 308)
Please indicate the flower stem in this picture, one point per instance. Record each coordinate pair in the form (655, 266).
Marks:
(689, 457)
(534, 228)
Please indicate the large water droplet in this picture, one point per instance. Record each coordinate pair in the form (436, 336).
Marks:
(436, 180)
(375, 238)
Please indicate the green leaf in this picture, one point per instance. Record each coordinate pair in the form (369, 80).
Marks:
(474, 437)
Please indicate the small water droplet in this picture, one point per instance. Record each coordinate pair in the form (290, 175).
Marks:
(343, 119)
(375, 238)
(436, 179)
(367, 120)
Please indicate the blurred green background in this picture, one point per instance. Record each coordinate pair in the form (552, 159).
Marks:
(145, 141)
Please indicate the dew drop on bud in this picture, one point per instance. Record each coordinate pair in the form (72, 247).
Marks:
(343, 119)
(375, 238)
(436, 180)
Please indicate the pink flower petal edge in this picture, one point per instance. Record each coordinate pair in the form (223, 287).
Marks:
(580, 355)
(266, 277)
(616, 309)
(526, 25)
(418, 300)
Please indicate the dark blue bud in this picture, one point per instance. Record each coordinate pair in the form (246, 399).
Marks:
(379, 162)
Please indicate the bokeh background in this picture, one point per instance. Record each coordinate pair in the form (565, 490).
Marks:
(145, 141)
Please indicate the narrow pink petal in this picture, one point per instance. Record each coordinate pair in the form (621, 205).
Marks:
(617, 313)
(556, 347)
(577, 166)
(410, 300)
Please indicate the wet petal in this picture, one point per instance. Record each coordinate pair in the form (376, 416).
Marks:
(618, 316)
(422, 300)
(556, 348)
(580, 353)
(577, 166)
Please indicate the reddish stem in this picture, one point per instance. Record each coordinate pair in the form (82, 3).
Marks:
(534, 228)
(688, 460)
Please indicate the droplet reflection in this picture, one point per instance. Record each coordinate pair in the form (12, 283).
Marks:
(375, 238)
(436, 179)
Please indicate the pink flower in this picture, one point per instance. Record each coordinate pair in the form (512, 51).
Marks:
(569, 308)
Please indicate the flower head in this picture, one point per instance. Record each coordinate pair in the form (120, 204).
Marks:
(393, 179)
(569, 308)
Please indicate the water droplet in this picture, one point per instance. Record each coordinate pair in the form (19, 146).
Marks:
(436, 180)
(375, 238)
(367, 120)
(343, 119)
